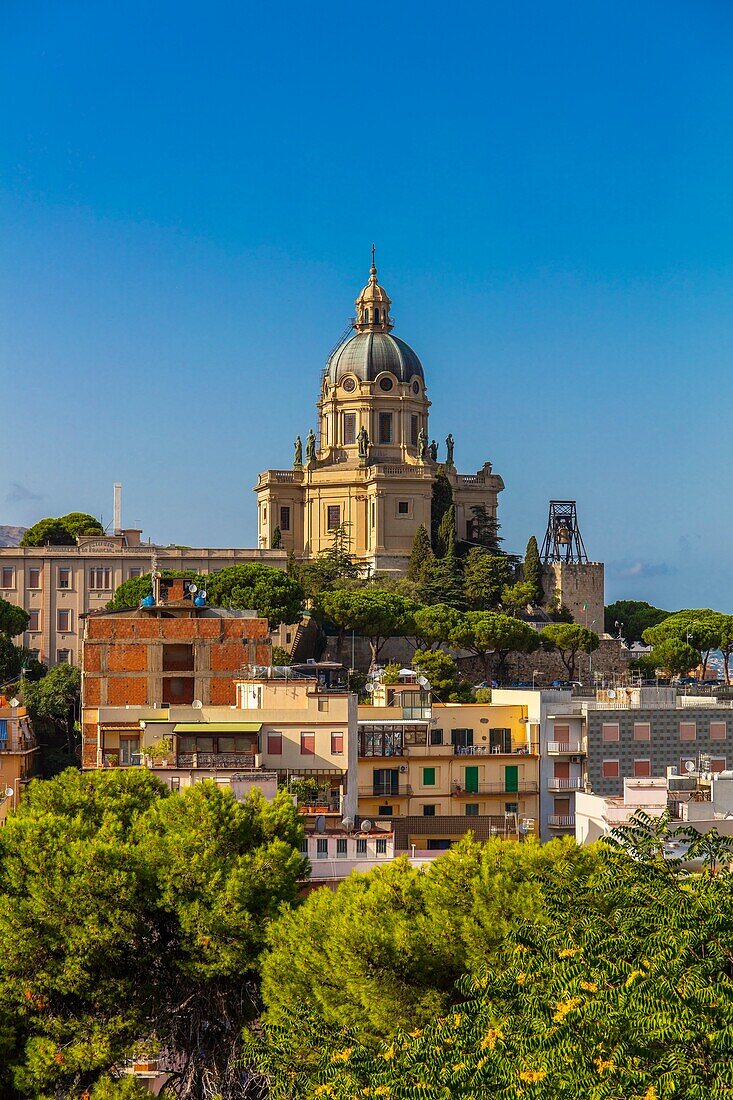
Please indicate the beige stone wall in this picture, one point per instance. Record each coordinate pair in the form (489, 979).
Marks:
(576, 585)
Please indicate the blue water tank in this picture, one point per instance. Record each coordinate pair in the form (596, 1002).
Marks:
(148, 601)
(199, 601)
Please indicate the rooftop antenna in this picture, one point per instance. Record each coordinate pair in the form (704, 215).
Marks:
(117, 521)
(155, 577)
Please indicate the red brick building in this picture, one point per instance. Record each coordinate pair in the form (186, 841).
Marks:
(169, 653)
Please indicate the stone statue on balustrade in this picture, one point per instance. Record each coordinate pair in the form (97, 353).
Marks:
(362, 443)
(422, 445)
(310, 448)
(433, 451)
(449, 445)
(298, 459)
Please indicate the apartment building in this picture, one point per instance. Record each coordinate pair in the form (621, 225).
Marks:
(18, 753)
(58, 585)
(439, 770)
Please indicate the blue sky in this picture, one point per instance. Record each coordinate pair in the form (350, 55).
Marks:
(188, 195)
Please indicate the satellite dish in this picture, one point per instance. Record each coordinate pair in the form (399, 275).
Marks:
(348, 823)
(197, 704)
(366, 825)
(689, 766)
(15, 702)
(9, 792)
(203, 594)
(369, 689)
(193, 588)
(611, 693)
(321, 823)
(423, 681)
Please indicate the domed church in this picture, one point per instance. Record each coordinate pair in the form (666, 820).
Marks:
(369, 472)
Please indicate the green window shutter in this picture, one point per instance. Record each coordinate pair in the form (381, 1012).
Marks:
(511, 778)
(428, 777)
(472, 779)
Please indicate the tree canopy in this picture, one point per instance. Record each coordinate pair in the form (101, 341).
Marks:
(13, 619)
(62, 531)
(485, 576)
(493, 636)
(375, 614)
(532, 571)
(633, 617)
(130, 918)
(570, 639)
(619, 987)
(699, 629)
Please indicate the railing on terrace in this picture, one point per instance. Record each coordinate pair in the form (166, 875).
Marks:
(555, 784)
(402, 790)
(561, 821)
(17, 744)
(210, 760)
(562, 747)
(493, 750)
(525, 786)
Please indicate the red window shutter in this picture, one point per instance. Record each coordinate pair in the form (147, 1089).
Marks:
(307, 744)
(275, 744)
(337, 743)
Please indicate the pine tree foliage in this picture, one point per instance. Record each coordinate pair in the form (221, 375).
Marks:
(622, 991)
(422, 554)
(447, 533)
(441, 502)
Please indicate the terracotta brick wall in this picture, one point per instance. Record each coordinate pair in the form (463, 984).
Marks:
(122, 690)
(127, 658)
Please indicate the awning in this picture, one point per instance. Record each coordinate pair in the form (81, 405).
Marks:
(217, 727)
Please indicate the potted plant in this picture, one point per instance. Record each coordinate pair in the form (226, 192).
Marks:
(158, 753)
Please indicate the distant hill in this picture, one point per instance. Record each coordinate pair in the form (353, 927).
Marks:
(11, 536)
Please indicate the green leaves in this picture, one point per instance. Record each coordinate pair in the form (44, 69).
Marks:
(63, 531)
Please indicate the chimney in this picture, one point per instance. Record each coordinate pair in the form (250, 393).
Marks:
(118, 509)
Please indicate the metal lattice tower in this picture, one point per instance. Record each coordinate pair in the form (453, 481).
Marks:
(563, 541)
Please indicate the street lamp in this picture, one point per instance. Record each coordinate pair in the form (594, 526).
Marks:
(535, 672)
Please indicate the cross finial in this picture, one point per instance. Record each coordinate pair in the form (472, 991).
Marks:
(373, 270)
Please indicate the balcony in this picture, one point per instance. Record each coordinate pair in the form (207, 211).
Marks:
(528, 786)
(561, 821)
(555, 784)
(214, 760)
(494, 750)
(401, 790)
(565, 748)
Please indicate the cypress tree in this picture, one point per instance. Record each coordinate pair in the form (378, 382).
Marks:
(532, 572)
(421, 554)
(447, 533)
(277, 539)
(442, 500)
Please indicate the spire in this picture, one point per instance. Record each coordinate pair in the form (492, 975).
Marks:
(372, 305)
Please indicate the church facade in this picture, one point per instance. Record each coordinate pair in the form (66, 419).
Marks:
(368, 475)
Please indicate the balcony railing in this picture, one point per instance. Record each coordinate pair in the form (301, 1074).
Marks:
(560, 748)
(402, 790)
(561, 821)
(555, 784)
(211, 760)
(17, 744)
(493, 750)
(528, 786)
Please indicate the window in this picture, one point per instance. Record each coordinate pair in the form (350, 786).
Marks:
(609, 731)
(275, 744)
(436, 737)
(34, 654)
(8, 577)
(381, 847)
(129, 751)
(403, 507)
(513, 807)
(361, 846)
(175, 782)
(385, 781)
(472, 809)
(609, 769)
(642, 731)
(376, 316)
(385, 427)
(642, 767)
(64, 577)
(63, 656)
(322, 848)
(349, 428)
(34, 578)
(429, 810)
(718, 731)
(428, 777)
(303, 846)
(100, 579)
(323, 705)
(34, 623)
(688, 731)
(717, 764)
(307, 744)
(63, 620)
(135, 572)
(414, 430)
(562, 734)
(386, 811)
(285, 517)
(333, 516)
(341, 847)
(337, 744)
(500, 740)
(461, 739)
